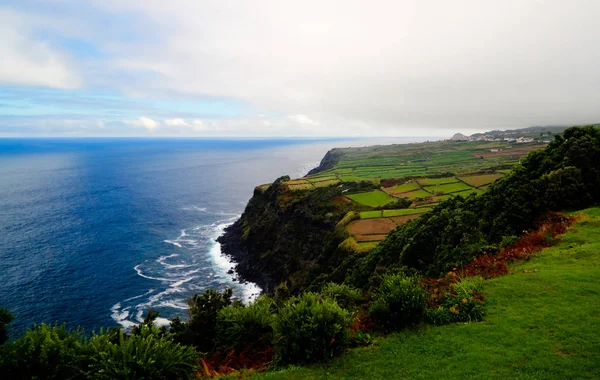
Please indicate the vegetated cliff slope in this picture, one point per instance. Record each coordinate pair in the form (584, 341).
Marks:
(285, 236)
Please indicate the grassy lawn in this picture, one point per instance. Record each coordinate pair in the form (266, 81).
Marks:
(541, 323)
(374, 198)
(405, 211)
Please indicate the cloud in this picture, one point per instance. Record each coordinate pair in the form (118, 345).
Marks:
(144, 122)
(335, 67)
(30, 62)
(176, 122)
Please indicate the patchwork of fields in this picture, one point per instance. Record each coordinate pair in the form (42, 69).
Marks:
(421, 174)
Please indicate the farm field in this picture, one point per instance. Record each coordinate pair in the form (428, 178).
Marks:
(480, 180)
(448, 188)
(417, 176)
(374, 198)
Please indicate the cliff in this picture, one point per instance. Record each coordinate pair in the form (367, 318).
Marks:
(286, 236)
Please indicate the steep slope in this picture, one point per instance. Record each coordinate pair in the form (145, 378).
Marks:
(541, 323)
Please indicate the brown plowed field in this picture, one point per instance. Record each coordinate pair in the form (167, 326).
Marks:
(363, 238)
(371, 226)
(403, 219)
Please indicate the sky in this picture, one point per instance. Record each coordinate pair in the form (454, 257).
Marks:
(278, 68)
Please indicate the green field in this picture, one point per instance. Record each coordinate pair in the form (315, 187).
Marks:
(405, 211)
(480, 180)
(320, 179)
(436, 181)
(417, 194)
(368, 244)
(371, 214)
(374, 198)
(404, 188)
(541, 323)
(448, 188)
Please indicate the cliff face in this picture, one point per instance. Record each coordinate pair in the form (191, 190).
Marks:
(284, 236)
(330, 159)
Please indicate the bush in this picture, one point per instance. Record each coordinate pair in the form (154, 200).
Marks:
(150, 354)
(200, 330)
(239, 326)
(398, 302)
(45, 352)
(439, 316)
(311, 328)
(464, 301)
(5, 319)
(346, 296)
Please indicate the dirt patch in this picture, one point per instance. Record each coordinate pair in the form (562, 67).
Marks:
(365, 238)
(403, 219)
(340, 201)
(371, 226)
(517, 152)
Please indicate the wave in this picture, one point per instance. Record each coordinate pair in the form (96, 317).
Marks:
(197, 265)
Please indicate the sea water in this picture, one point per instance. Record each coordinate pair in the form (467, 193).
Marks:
(94, 232)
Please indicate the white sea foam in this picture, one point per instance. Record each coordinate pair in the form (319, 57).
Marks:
(176, 244)
(199, 256)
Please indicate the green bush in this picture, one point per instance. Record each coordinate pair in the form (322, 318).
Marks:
(346, 296)
(239, 326)
(398, 302)
(439, 316)
(45, 352)
(311, 328)
(5, 319)
(150, 354)
(464, 301)
(200, 331)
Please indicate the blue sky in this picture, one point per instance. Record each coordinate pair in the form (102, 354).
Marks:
(303, 68)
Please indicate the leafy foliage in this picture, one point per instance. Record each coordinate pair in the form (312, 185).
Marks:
(346, 296)
(150, 354)
(311, 328)
(200, 331)
(5, 319)
(398, 302)
(239, 326)
(44, 352)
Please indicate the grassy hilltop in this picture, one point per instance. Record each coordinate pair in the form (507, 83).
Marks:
(542, 322)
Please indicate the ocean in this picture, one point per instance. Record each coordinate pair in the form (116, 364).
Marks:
(94, 232)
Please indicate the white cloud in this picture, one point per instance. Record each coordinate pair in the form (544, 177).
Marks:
(144, 122)
(31, 62)
(403, 67)
(176, 122)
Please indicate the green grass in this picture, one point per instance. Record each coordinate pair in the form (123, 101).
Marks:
(368, 244)
(405, 211)
(417, 194)
(354, 178)
(449, 188)
(480, 180)
(323, 178)
(404, 188)
(371, 214)
(374, 198)
(437, 181)
(541, 323)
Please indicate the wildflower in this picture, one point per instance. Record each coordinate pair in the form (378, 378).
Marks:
(464, 301)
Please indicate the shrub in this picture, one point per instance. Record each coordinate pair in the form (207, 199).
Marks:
(398, 302)
(346, 296)
(45, 352)
(239, 326)
(150, 354)
(464, 301)
(439, 316)
(200, 330)
(5, 319)
(311, 328)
